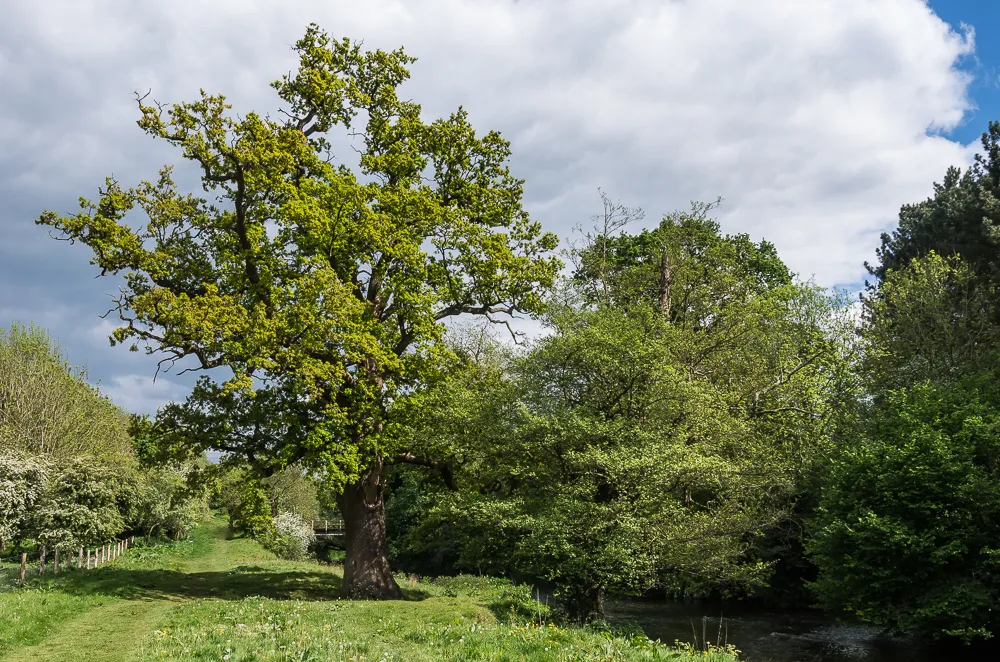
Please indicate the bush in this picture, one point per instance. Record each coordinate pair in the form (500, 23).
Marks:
(290, 537)
(166, 503)
(906, 533)
(247, 505)
(79, 506)
(291, 490)
(22, 480)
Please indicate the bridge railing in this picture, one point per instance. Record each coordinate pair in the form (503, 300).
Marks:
(328, 525)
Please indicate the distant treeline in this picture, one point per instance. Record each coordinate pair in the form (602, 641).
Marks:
(70, 474)
(699, 422)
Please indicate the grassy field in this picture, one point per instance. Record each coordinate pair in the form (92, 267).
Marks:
(212, 598)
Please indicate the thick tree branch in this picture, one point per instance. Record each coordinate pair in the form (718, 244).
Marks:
(442, 467)
(485, 309)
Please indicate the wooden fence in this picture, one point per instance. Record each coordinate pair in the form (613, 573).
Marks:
(94, 558)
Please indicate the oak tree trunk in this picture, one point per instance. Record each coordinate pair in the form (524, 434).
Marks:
(366, 567)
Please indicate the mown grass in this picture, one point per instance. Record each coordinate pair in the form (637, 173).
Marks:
(29, 615)
(216, 599)
(432, 629)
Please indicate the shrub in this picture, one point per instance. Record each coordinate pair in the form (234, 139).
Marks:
(906, 533)
(79, 506)
(291, 537)
(249, 508)
(167, 505)
(21, 483)
(291, 490)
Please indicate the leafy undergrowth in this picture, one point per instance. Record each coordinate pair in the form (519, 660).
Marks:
(211, 598)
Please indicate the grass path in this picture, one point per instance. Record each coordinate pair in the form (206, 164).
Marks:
(115, 628)
(108, 633)
(213, 598)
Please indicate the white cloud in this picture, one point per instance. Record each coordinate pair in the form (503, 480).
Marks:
(140, 394)
(810, 118)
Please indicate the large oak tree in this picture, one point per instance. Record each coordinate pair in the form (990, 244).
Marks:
(313, 294)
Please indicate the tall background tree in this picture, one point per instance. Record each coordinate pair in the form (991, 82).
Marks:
(664, 425)
(47, 407)
(906, 530)
(314, 293)
(961, 218)
(907, 523)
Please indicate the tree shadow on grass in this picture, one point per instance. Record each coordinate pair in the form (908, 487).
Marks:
(236, 584)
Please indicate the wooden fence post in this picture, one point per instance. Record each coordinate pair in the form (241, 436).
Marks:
(24, 562)
(56, 565)
(41, 563)
(79, 559)
(88, 558)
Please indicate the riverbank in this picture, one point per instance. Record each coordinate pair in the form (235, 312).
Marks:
(213, 598)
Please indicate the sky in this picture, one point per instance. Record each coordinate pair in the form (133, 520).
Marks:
(814, 121)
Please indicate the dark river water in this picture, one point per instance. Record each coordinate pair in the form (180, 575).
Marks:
(769, 636)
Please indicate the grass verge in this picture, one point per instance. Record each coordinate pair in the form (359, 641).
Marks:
(212, 598)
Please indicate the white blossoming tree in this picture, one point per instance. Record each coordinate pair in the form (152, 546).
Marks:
(81, 505)
(22, 480)
(291, 538)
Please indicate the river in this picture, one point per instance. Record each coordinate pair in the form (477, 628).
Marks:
(771, 636)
